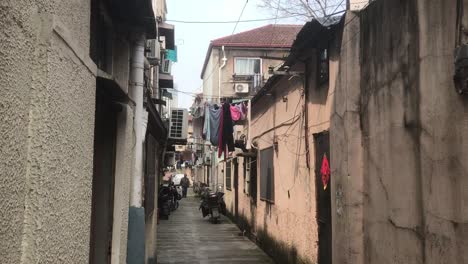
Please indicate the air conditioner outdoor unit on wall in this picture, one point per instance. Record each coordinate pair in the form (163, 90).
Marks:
(179, 123)
(357, 5)
(241, 88)
(154, 53)
(166, 66)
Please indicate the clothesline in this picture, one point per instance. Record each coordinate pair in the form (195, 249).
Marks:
(218, 122)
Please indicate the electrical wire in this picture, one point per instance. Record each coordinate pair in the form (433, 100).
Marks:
(232, 21)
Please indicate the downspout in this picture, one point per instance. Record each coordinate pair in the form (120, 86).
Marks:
(136, 93)
(224, 59)
(136, 213)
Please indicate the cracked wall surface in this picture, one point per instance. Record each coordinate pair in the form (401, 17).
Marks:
(397, 138)
(47, 129)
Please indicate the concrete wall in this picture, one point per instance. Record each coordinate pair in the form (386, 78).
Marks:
(287, 229)
(123, 170)
(292, 183)
(210, 79)
(47, 111)
(400, 185)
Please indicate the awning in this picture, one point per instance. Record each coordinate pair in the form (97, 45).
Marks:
(167, 30)
(110, 86)
(156, 126)
(137, 13)
(247, 154)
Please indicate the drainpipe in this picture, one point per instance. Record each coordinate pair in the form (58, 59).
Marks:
(249, 128)
(137, 83)
(224, 59)
(136, 213)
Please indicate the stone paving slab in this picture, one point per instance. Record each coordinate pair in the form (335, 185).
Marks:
(188, 238)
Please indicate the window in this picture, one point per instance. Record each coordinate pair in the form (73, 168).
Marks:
(228, 175)
(101, 37)
(247, 164)
(247, 66)
(253, 180)
(323, 66)
(267, 179)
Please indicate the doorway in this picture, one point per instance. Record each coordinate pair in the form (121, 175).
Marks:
(323, 198)
(103, 179)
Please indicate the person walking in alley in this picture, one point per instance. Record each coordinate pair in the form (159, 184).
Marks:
(185, 183)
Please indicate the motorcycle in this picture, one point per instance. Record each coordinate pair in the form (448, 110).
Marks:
(196, 187)
(175, 197)
(213, 204)
(164, 201)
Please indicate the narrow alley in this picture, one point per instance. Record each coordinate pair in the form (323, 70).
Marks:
(188, 238)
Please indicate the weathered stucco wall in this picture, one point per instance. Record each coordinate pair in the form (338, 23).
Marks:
(294, 202)
(400, 187)
(16, 79)
(123, 171)
(48, 123)
(346, 153)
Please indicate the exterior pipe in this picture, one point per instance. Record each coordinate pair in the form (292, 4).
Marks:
(224, 59)
(137, 83)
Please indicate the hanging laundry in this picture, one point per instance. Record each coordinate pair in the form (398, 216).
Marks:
(198, 108)
(235, 113)
(325, 171)
(226, 130)
(242, 109)
(214, 120)
(206, 124)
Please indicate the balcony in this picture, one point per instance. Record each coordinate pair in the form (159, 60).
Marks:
(255, 81)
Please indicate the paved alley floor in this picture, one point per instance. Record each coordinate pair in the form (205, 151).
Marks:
(188, 238)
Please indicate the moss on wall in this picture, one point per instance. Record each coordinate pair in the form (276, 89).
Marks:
(280, 251)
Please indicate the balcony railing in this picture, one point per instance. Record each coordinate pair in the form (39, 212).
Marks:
(255, 80)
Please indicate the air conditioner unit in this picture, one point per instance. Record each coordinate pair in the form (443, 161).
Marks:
(166, 66)
(357, 5)
(154, 53)
(178, 124)
(162, 40)
(241, 87)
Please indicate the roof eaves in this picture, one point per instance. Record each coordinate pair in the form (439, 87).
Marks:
(308, 33)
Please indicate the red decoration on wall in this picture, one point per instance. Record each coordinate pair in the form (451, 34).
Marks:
(325, 171)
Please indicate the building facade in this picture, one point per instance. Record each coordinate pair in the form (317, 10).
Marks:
(235, 68)
(397, 140)
(77, 100)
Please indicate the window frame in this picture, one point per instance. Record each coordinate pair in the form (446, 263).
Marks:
(248, 58)
(270, 177)
(227, 171)
(323, 76)
(247, 173)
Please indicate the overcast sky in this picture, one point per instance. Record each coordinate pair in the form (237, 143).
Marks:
(193, 39)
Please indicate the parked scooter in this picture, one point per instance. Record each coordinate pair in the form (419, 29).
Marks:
(196, 187)
(175, 197)
(164, 201)
(213, 204)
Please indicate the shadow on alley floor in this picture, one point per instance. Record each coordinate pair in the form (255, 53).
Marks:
(188, 238)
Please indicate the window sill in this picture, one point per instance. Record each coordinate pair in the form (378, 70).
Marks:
(267, 201)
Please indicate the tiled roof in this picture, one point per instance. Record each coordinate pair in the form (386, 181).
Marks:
(270, 36)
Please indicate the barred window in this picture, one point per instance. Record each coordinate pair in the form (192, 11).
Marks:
(267, 179)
